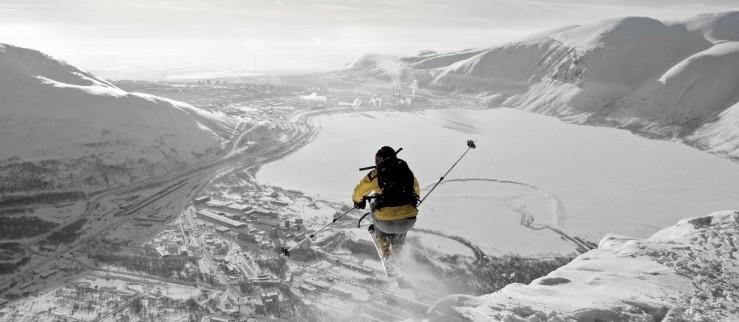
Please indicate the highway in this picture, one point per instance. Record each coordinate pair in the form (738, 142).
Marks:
(200, 175)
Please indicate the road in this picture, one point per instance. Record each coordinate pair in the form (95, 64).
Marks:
(231, 159)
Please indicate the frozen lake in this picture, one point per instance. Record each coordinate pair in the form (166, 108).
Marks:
(583, 180)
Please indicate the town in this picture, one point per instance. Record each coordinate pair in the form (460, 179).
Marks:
(218, 258)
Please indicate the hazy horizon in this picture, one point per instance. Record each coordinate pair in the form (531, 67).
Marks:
(162, 38)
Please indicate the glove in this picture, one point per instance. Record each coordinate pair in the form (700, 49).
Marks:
(361, 204)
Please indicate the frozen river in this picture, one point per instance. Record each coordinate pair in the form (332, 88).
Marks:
(583, 180)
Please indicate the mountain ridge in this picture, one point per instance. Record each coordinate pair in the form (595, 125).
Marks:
(661, 79)
(57, 116)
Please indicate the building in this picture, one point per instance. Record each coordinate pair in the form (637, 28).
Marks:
(173, 249)
(266, 244)
(217, 203)
(271, 300)
(248, 195)
(161, 251)
(108, 289)
(239, 207)
(152, 218)
(318, 284)
(192, 250)
(272, 224)
(201, 199)
(259, 212)
(66, 267)
(82, 284)
(342, 291)
(48, 247)
(219, 318)
(279, 203)
(357, 267)
(270, 296)
(222, 230)
(266, 283)
(247, 236)
(47, 274)
(210, 216)
(307, 288)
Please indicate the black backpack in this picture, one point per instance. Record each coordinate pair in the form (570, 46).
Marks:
(396, 180)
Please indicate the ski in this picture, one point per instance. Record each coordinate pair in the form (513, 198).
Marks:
(379, 251)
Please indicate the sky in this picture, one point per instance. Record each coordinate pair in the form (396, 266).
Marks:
(160, 39)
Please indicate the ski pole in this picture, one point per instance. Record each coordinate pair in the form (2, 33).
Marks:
(470, 145)
(286, 251)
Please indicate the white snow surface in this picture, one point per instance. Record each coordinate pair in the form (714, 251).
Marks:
(50, 110)
(687, 272)
(697, 88)
(663, 79)
(721, 136)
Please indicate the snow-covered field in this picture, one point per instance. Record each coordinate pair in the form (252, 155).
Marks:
(584, 180)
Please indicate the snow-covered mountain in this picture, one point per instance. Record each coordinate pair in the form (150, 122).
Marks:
(687, 272)
(62, 127)
(665, 79)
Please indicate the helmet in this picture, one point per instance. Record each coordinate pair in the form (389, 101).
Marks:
(384, 153)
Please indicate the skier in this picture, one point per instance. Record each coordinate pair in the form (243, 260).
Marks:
(393, 191)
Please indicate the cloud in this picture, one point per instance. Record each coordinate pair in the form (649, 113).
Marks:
(314, 34)
(685, 5)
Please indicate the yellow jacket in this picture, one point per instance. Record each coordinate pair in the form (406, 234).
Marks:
(369, 184)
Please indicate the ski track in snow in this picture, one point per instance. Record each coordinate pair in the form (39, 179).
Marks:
(479, 253)
(527, 219)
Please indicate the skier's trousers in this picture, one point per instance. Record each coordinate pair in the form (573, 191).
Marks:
(400, 226)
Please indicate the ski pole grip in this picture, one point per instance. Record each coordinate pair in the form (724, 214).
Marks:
(471, 144)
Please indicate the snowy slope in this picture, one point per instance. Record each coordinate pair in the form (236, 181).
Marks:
(695, 90)
(50, 110)
(685, 272)
(722, 136)
(663, 79)
(716, 27)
